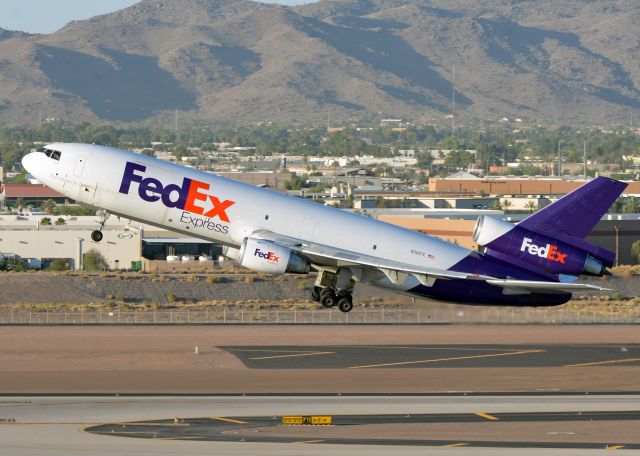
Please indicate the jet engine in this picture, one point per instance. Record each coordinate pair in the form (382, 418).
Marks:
(268, 257)
(535, 251)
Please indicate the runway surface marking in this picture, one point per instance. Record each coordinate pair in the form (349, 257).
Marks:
(435, 356)
(438, 360)
(240, 429)
(295, 355)
(398, 347)
(228, 420)
(487, 416)
(609, 361)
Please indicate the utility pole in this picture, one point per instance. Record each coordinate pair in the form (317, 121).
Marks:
(175, 124)
(584, 158)
(559, 160)
(453, 100)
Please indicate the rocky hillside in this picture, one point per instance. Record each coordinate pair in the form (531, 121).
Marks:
(240, 61)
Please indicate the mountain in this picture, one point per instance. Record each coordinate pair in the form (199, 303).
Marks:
(239, 61)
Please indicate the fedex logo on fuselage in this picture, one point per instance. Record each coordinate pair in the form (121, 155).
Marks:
(190, 196)
(270, 256)
(550, 252)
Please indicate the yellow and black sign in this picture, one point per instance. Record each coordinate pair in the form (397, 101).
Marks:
(306, 420)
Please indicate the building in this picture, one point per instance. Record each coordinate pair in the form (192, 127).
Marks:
(125, 244)
(615, 232)
(29, 194)
(514, 186)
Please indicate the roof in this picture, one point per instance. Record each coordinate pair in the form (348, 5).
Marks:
(462, 175)
(30, 191)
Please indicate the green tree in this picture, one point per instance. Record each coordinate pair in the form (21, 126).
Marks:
(60, 221)
(506, 204)
(45, 221)
(531, 206)
(635, 251)
(631, 205)
(59, 264)
(94, 261)
(459, 159)
(49, 206)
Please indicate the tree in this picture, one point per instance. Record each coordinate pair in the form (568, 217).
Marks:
(49, 206)
(506, 204)
(459, 159)
(59, 264)
(635, 251)
(61, 221)
(94, 261)
(631, 205)
(45, 221)
(531, 206)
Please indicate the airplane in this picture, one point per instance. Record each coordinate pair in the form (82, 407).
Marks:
(533, 263)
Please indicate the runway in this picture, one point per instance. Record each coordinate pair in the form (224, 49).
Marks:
(55, 425)
(243, 429)
(566, 390)
(432, 356)
(319, 359)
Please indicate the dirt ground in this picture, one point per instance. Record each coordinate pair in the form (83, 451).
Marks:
(162, 359)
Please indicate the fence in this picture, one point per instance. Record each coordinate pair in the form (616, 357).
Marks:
(493, 315)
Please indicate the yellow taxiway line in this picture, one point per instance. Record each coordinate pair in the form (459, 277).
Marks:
(307, 441)
(228, 420)
(487, 416)
(438, 360)
(295, 355)
(609, 361)
(451, 445)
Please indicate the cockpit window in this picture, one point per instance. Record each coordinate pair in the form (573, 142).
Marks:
(53, 154)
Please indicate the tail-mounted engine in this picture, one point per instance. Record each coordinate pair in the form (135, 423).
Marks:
(268, 257)
(526, 248)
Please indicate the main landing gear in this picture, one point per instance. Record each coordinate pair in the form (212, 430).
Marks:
(96, 235)
(329, 297)
(334, 289)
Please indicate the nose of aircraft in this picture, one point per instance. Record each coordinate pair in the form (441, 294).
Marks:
(30, 163)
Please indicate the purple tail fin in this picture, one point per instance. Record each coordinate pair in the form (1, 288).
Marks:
(551, 241)
(576, 214)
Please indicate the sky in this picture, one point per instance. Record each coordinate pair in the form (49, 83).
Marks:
(46, 16)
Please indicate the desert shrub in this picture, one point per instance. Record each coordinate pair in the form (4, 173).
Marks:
(59, 264)
(95, 261)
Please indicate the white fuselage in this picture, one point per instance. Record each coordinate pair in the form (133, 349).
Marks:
(94, 175)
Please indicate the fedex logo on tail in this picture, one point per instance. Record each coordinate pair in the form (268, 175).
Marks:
(191, 196)
(550, 252)
(270, 256)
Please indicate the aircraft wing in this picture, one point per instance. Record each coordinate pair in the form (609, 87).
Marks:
(512, 286)
(397, 272)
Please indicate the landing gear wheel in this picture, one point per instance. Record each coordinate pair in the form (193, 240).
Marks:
(96, 235)
(328, 298)
(345, 304)
(315, 294)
